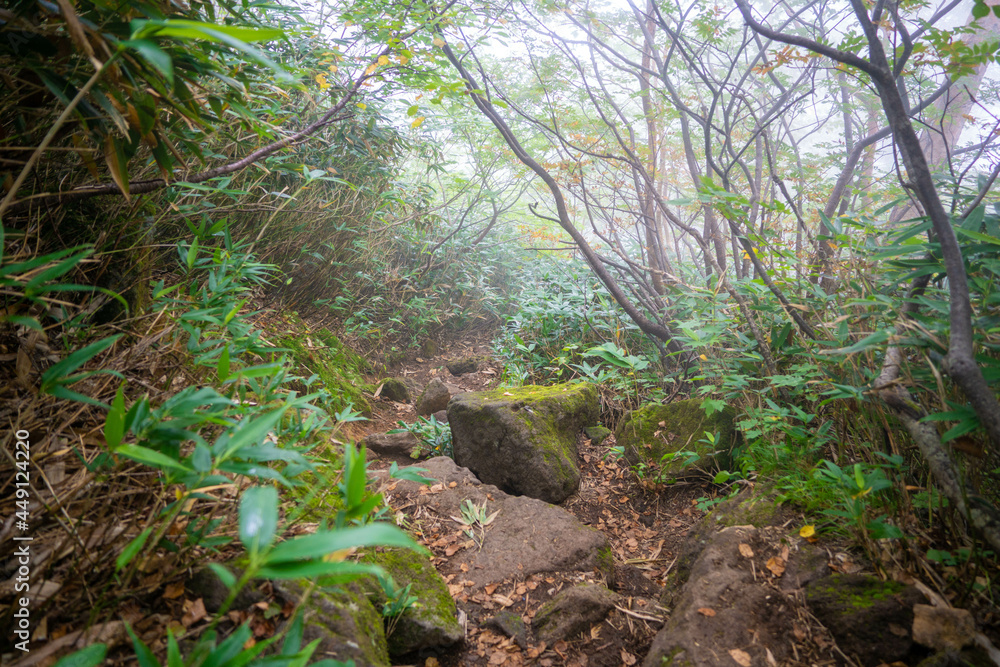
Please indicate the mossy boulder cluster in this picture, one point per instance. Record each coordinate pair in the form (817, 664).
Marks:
(663, 435)
(524, 440)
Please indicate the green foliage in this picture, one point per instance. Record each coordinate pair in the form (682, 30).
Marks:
(433, 437)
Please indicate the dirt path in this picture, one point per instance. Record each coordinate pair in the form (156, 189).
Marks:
(645, 530)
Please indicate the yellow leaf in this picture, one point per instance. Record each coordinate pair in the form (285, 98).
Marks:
(417, 122)
(403, 60)
(438, 42)
(383, 60)
(321, 81)
(371, 68)
(703, 357)
(807, 531)
(333, 69)
(362, 106)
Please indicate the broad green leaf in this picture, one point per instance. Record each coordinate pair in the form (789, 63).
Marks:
(323, 543)
(114, 424)
(258, 517)
(154, 55)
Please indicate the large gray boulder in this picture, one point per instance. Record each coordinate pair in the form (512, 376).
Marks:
(722, 606)
(524, 440)
(526, 536)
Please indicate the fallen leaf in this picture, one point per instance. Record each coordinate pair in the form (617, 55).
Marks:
(432, 662)
(498, 658)
(746, 551)
(742, 658)
(173, 591)
(628, 658)
(776, 564)
(807, 531)
(707, 611)
(193, 612)
(502, 600)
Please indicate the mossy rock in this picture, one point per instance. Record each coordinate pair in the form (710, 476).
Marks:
(861, 613)
(344, 620)
(464, 365)
(395, 389)
(654, 434)
(597, 434)
(432, 621)
(524, 440)
(340, 369)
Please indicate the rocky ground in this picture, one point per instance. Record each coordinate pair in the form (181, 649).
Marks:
(535, 586)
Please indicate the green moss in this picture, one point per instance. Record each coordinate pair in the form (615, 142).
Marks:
(656, 431)
(671, 659)
(432, 620)
(606, 560)
(340, 370)
(597, 434)
(351, 626)
(856, 593)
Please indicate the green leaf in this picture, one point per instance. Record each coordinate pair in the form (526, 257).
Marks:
(154, 55)
(227, 651)
(224, 575)
(142, 652)
(91, 656)
(58, 373)
(258, 517)
(250, 432)
(150, 457)
(133, 548)
(222, 368)
(174, 658)
(980, 9)
(114, 424)
(320, 544)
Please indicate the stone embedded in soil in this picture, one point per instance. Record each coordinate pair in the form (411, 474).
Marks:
(464, 365)
(527, 536)
(524, 440)
(396, 389)
(207, 585)
(596, 434)
(723, 606)
(942, 628)
(510, 624)
(869, 618)
(573, 611)
(343, 619)
(441, 416)
(392, 445)
(434, 397)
